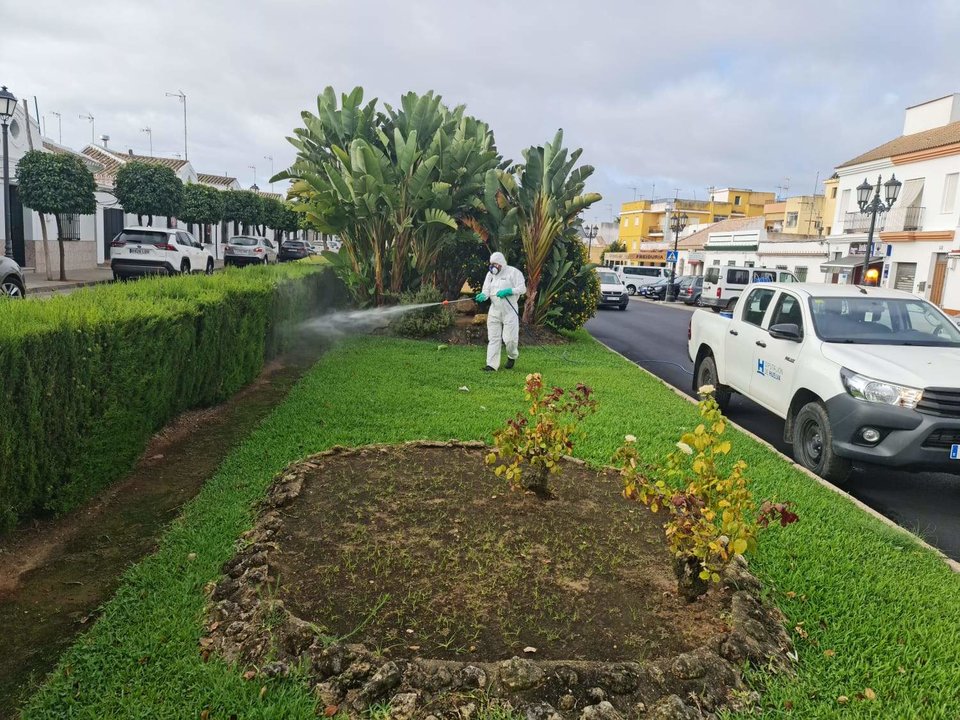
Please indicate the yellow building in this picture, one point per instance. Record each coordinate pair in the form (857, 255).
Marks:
(829, 203)
(798, 215)
(644, 223)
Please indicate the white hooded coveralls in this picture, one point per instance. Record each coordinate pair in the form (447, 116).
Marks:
(503, 319)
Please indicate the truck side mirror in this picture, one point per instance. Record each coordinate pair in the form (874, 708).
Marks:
(786, 331)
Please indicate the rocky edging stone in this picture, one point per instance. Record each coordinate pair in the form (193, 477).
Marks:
(247, 626)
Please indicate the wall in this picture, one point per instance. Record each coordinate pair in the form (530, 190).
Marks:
(935, 113)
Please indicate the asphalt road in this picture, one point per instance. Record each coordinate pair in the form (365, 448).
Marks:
(655, 337)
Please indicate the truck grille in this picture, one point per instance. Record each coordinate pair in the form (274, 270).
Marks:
(944, 439)
(944, 402)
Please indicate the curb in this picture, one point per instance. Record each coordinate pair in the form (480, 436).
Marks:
(660, 303)
(50, 289)
(951, 563)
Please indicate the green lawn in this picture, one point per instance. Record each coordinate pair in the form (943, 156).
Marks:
(888, 611)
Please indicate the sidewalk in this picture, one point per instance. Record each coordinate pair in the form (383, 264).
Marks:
(37, 283)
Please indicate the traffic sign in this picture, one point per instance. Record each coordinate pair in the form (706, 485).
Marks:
(672, 256)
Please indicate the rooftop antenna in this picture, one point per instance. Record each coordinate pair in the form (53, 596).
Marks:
(92, 127)
(149, 131)
(634, 192)
(813, 201)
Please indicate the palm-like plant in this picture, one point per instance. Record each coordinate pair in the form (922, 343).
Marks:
(548, 197)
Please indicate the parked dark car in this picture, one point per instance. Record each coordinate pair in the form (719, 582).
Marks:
(690, 291)
(12, 284)
(294, 250)
(655, 290)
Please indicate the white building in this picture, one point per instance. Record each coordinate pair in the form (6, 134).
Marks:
(747, 243)
(916, 247)
(22, 133)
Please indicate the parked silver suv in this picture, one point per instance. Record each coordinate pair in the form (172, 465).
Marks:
(11, 279)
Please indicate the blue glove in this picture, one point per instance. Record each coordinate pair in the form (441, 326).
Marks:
(506, 292)
(481, 297)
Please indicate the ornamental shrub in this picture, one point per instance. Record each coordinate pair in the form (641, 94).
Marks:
(530, 447)
(425, 322)
(712, 516)
(87, 379)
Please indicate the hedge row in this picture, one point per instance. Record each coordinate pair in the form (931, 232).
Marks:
(86, 379)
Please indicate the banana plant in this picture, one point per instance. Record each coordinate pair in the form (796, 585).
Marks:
(548, 194)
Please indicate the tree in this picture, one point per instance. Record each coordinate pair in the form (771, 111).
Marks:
(617, 246)
(56, 183)
(202, 205)
(149, 189)
(548, 195)
(395, 187)
(243, 208)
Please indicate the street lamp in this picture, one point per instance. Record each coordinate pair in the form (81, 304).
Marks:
(891, 188)
(8, 106)
(590, 232)
(677, 223)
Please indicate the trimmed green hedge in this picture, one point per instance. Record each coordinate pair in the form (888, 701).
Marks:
(85, 379)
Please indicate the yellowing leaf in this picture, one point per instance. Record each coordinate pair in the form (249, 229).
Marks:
(869, 694)
(740, 546)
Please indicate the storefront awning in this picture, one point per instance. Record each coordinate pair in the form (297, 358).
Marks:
(848, 262)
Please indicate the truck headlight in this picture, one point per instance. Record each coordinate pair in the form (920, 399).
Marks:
(878, 391)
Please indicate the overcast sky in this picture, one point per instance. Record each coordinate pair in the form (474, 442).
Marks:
(680, 95)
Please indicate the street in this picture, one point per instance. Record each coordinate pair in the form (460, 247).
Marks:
(655, 337)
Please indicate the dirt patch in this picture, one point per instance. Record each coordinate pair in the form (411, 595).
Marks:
(412, 572)
(56, 572)
(425, 547)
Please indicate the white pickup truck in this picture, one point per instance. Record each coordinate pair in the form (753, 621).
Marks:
(859, 374)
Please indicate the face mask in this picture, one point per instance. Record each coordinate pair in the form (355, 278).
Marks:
(494, 270)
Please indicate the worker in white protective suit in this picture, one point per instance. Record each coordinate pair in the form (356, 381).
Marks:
(503, 287)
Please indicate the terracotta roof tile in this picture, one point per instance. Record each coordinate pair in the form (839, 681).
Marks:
(699, 239)
(215, 180)
(111, 161)
(924, 140)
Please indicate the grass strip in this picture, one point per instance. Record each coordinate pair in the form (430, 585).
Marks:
(884, 608)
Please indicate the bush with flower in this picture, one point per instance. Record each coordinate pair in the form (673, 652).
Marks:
(712, 515)
(530, 450)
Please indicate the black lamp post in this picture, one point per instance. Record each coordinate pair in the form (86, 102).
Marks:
(677, 223)
(891, 188)
(8, 106)
(590, 231)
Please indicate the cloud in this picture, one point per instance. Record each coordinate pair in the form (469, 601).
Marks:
(682, 95)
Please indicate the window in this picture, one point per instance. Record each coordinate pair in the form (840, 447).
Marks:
(731, 262)
(69, 226)
(712, 276)
(787, 310)
(625, 221)
(718, 218)
(636, 221)
(873, 321)
(787, 277)
(736, 199)
(801, 273)
(781, 267)
(950, 192)
(716, 262)
(792, 219)
(833, 193)
(844, 203)
(764, 276)
(757, 302)
(750, 263)
(738, 277)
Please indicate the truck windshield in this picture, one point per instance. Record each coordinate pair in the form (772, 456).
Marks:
(609, 278)
(881, 321)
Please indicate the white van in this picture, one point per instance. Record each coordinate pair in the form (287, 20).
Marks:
(636, 276)
(722, 285)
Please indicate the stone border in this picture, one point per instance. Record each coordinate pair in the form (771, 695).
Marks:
(247, 626)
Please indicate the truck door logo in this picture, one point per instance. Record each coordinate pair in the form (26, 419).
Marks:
(760, 367)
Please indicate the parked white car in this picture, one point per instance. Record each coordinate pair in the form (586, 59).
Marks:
(859, 374)
(243, 250)
(12, 284)
(612, 289)
(722, 286)
(635, 277)
(139, 251)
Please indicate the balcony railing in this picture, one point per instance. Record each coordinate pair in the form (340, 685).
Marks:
(896, 220)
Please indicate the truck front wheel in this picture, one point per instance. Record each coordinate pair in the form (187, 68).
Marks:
(813, 444)
(705, 373)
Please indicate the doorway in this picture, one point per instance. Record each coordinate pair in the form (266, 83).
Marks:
(939, 279)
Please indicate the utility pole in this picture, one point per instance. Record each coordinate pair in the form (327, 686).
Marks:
(183, 99)
(270, 158)
(254, 168)
(149, 131)
(93, 131)
(59, 126)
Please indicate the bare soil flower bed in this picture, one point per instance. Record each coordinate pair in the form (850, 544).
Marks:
(411, 571)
